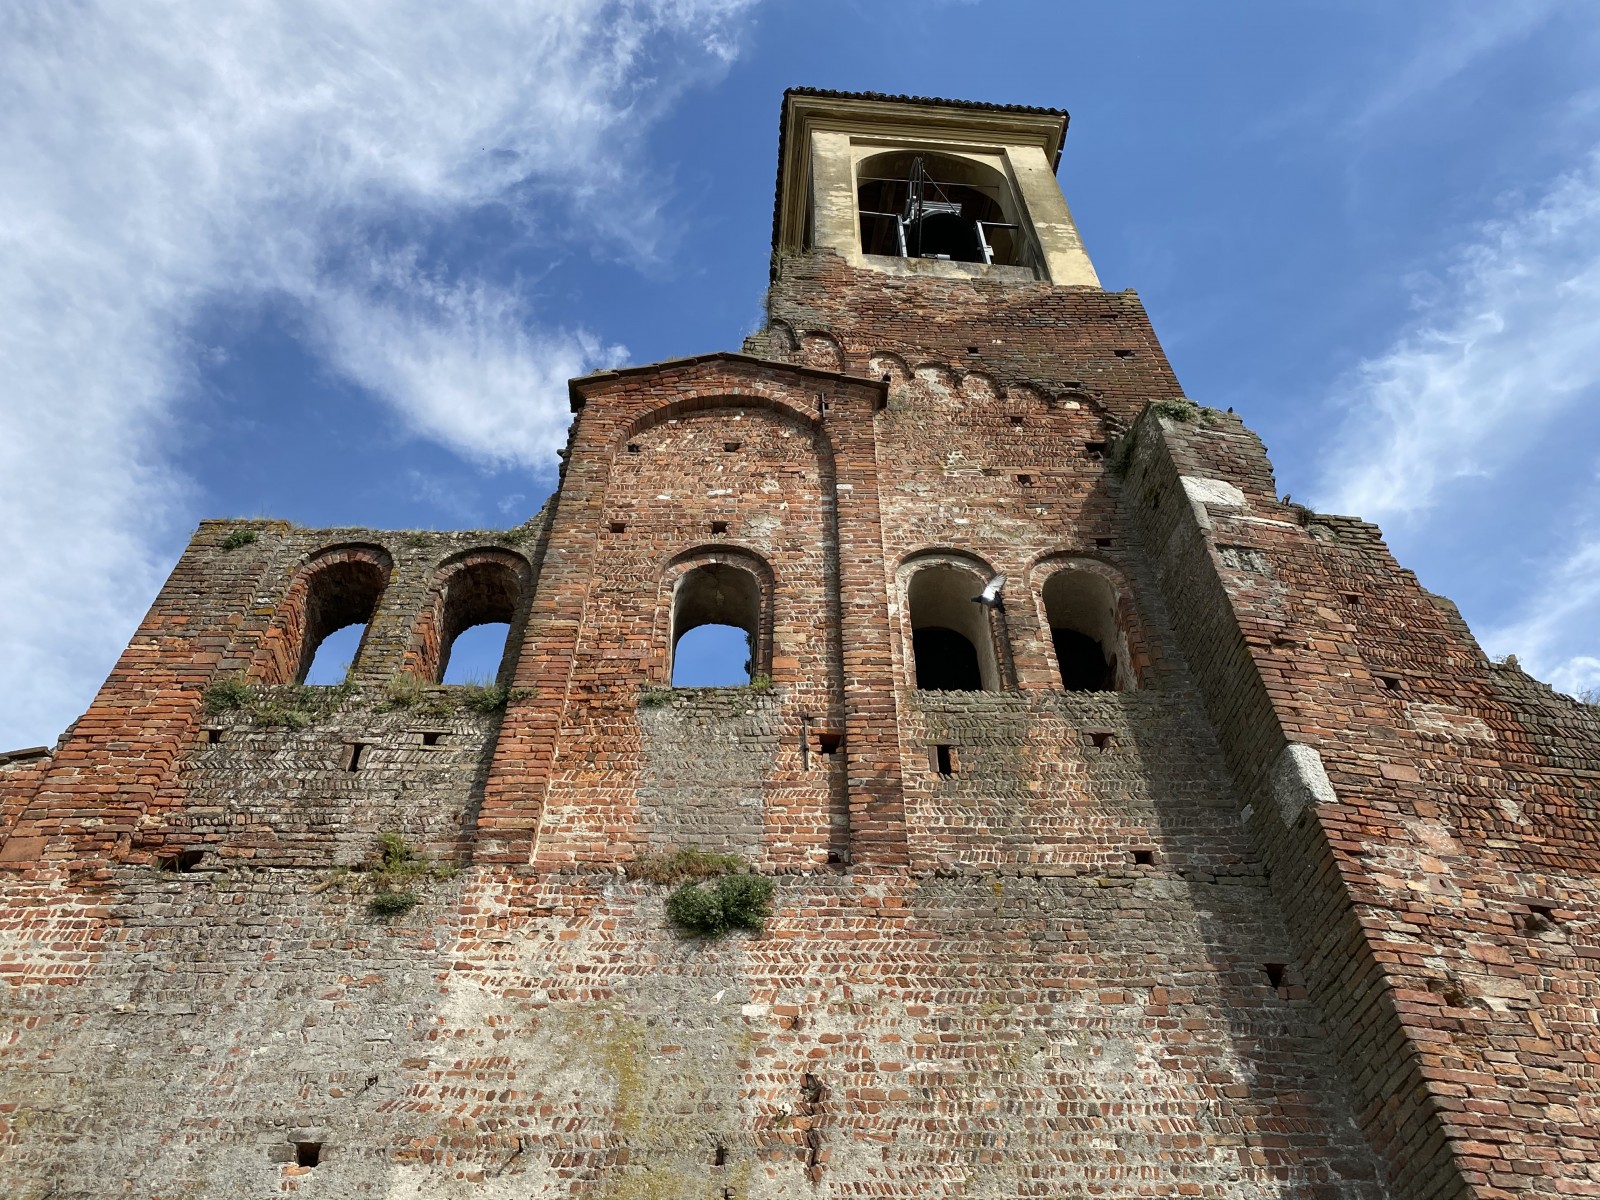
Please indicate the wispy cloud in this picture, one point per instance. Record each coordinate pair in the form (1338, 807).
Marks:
(1551, 633)
(461, 361)
(1459, 37)
(160, 157)
(1502, 344)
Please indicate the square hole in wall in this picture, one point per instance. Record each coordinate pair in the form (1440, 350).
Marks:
(944, 759)
(1276, 973)
(431, 737)
(617, 526)
(633, 447)
(1540, 918)
(1104, 543)
(1144, 858)
(1389, 683)
(307, 1154)
(731, 447)
(1095, 450)
(1124, 353)
(1025, 480)
(829, 741)
(972, 350)
(355, 754)
(1102, 739)
(1353, 599)
(183, 862)
(213, 736)
(719, 527)
(1016, 418)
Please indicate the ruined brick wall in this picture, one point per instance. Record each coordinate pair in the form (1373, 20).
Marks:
(1114, 949)
(1427, 814)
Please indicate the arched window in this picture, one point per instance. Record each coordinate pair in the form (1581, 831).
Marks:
(922, 205)
(464, 634)
(951, 641)
(336, 593)
(716, 626)
(1091, 651)
(478, 600)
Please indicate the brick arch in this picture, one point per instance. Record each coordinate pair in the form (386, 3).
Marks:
(821, 350)
(691, 405)
(1081, 397)
(887, 362)
(1135, 653)
(936, 386)
(715, 556)
(947, 554)
(333, 587)
(778, 327)
(472, 587)
(980, 386)
(985, 625)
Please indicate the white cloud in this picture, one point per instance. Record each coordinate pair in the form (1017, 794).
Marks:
(1497, 373)
(158, 156)
(1551, 634)
(1502, 345)
(459, 361)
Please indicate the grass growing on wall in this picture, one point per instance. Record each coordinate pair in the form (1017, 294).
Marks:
(400, 870)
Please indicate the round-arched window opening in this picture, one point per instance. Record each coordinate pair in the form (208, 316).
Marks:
(331, 661)
(1091, 652)
(923, 205)
(952, 646)
(340, 600)
(477, 605)
(724, 602)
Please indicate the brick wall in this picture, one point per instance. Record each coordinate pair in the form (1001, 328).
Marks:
(1130, 943)
(1434, 880)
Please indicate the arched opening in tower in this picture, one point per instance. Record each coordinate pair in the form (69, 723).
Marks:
(340, 601)
(475, 622)
(936, 206)
(716, 627)
(1082, 610)
(951, 642)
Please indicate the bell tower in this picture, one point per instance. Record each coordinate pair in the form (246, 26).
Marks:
(1090, 820)
(933, 188)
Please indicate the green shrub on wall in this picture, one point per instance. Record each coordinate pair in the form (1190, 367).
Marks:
(741, 901)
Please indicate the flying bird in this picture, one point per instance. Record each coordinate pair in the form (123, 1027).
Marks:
(991, 593)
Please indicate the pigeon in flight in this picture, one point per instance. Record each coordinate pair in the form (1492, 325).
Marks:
(990, 597)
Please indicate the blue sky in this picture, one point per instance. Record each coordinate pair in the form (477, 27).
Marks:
(335, 261)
